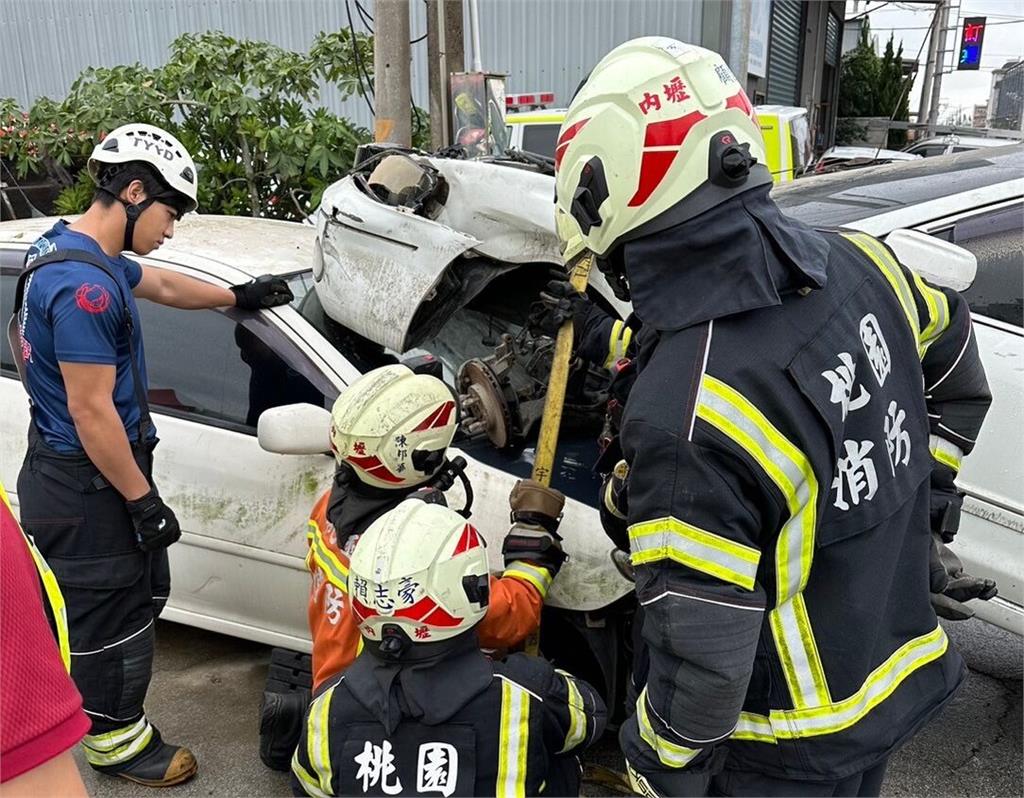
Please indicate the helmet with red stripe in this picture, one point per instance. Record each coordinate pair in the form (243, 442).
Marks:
(418, 573)
(659, 132)
(392, 427)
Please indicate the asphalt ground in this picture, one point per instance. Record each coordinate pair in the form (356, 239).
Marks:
(206, 692)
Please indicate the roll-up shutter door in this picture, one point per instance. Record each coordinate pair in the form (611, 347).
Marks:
(784, 50)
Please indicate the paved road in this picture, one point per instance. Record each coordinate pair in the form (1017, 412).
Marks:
(207, 687)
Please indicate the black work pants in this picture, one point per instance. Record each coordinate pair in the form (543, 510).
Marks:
(865, 783)
(112, 589)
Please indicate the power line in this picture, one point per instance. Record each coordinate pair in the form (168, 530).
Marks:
(360, 69)
(928, 27)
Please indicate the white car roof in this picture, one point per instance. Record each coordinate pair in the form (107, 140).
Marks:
(966, 141)
(251, 246)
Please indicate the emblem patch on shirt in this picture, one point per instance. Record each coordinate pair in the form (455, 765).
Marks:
(92, 298)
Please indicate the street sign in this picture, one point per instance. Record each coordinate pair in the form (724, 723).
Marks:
(971, 38)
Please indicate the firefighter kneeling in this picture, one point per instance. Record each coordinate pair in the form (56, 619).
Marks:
(422, 709)
(390, 432)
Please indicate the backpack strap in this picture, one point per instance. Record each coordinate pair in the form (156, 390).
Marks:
(14, 331)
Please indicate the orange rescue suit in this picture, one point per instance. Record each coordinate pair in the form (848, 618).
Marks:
(513, 610)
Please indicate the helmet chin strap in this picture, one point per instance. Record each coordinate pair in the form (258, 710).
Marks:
(133, 212)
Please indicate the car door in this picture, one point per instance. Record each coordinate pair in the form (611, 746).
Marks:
(992, 527)
(239, 566)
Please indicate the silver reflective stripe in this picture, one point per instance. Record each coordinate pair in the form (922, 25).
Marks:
(689, 545)
(882, 682)
(577, 714)
(945, 452)
(540, 578)
(118, 746)
(724, 408)
(318, 747)
(669, 754)
(513, 740)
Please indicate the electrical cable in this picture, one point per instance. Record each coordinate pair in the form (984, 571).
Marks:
(907, 82)
(868, 11)
(360, 69)
(33, 210)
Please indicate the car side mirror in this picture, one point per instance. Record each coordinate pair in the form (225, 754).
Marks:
(295, 429)
(939, 262)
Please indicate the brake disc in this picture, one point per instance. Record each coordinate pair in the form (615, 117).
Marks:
(483, 401)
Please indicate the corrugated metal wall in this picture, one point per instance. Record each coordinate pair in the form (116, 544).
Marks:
(542, 44)
(784, 52)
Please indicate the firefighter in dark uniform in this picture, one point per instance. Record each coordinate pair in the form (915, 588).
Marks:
(801, 405)
(422, 710)
(85, 489)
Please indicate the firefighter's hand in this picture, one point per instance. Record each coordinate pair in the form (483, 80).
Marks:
(156, 526)
(534, 538)
(559, 303)
(951, 587)
(266, 291)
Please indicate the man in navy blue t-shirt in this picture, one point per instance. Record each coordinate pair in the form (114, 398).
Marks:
(85, 488)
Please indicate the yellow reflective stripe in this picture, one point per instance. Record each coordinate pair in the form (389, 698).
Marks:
(534, 120)
(669, 754)
(672, 539)
(789, 469)
(892, 272)
(56, 601)
(513, 739)
(51, 588)
(879, 685)
(754, 727)
(334, 570)
(938, 312)
(577, 714)
(317, 739)
(540, 578)
(120, 745)
(613, 344)
(945, 452)
(307, 782)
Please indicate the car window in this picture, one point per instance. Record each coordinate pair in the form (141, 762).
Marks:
(11, 264)
(540, 139)
(997, 240)
(224, 367)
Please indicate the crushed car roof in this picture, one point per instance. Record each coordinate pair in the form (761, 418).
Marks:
(252, 246)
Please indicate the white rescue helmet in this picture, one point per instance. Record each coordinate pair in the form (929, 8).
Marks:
(423, 568)
(392, 427)
(149, 144)
(659, 132)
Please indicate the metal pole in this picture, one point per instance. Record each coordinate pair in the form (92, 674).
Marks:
(391, 66)
(940, 61)
(929, 68)
(444, 56)
(474, 23)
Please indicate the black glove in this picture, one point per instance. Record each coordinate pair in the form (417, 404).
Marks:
(946, 501)
(534, 538)
(155, 524)
(559, 303)
(951, 587)
(266, 291)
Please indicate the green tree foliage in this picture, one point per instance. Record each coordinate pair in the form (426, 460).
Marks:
(247, 111)
(870, 85)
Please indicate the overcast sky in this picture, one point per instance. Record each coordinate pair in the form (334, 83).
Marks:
(1004, 41)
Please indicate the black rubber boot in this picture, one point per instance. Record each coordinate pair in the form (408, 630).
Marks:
(159, 765)
(281, 718)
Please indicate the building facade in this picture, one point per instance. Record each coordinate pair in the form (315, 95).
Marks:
(1006, 100)
(787, 51)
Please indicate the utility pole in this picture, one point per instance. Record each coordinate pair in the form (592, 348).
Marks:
(929, 69)
(940, 62)
(445, 54)
(391, 57)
